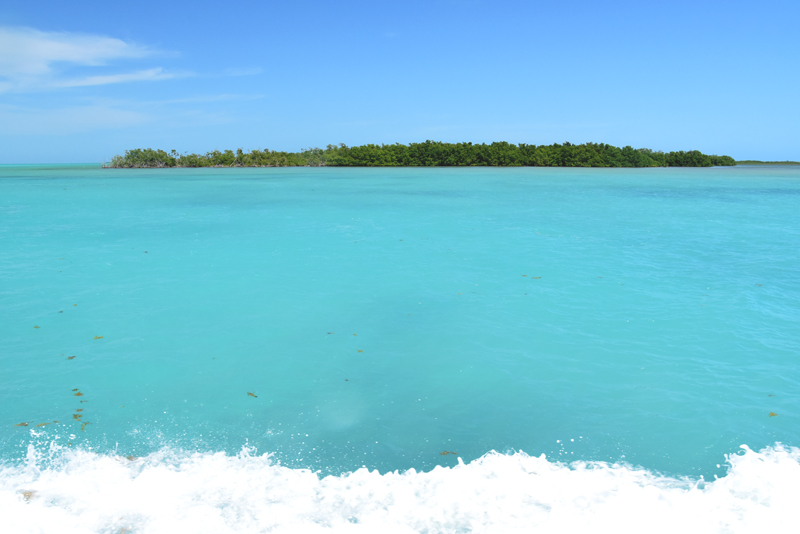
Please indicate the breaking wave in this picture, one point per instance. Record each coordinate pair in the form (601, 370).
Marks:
(174, 491)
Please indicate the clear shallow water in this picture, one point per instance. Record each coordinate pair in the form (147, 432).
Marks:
(649, 318)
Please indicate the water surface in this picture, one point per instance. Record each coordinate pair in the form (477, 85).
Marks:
(340, 318)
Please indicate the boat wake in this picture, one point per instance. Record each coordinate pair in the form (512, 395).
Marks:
(178, 491)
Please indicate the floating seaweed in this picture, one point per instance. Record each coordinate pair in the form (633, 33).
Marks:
(83, 426)
(346, 380)
(359, 350)
(79, 394)
(355, 334)
(21, 424)
(56, 422)
(36, 327)
(331, 333)
(445, 453)
(43, 424)
(76, 389)
(98, 337)
(61, 311)
(77, 416)
(132, 458)
(772, 414)
(770, 395)
(536, 277)
(252, 395)
(524, 275)
(760, 285)
(79, 410)
(28, 495)
(70, 357)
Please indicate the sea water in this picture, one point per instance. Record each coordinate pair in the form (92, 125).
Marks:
(399, 350)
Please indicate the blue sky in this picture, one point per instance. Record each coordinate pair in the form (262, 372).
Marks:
(83, 81)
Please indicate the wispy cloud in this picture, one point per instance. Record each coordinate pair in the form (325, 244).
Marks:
(140, 76)
(72, 120)
(34, 60)
(104, 114)
(210, 98)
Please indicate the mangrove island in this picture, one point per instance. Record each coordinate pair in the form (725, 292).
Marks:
(427, 154)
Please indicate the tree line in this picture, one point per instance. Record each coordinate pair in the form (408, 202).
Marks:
(758, 162)
(428, 154)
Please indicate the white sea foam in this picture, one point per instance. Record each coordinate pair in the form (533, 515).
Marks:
(172, 491)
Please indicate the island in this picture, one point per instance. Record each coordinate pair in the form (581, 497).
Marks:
(427, 154)
(757, 162)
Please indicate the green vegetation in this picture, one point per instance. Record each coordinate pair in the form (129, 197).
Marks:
(428, 154)
(756, 162)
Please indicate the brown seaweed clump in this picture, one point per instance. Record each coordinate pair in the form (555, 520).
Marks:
(22, 424)
(252, 395)
(98, 337)
(445, 453)
(83, 426)
(772, 414)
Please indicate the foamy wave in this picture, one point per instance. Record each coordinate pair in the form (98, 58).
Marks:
(172, 491)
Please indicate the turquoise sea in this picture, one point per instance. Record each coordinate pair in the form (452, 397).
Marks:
(399, 350)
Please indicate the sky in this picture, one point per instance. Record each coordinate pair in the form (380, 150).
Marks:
(84, 81)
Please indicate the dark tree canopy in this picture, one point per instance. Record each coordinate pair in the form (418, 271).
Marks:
(429, 154)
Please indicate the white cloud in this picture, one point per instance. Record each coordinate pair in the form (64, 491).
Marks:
(32, 59)
(140, 76)
(209, 98)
